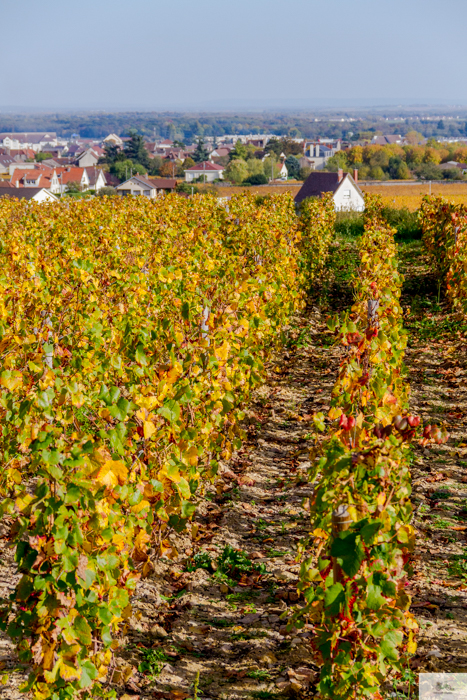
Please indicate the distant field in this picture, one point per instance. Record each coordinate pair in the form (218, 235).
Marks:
(410, 195)
(259, 189)
(397, 195)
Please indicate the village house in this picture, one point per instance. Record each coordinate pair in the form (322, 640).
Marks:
(283, 172)
(97, 179)
(87, 158)
(346, 194)
(138, 185)
(113, 139)
(386, 139)
(208, 172)
(5, 162)
(71, 174)
(35, 194)
(219, 152)
(43, 178)
(454, 165)
(34, 141)
(316, 155)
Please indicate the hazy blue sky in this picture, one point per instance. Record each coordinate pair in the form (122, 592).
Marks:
(149, 54)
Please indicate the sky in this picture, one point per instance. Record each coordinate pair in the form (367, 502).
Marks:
(230, 54)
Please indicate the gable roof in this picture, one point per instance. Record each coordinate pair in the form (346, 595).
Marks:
(42, 176)
(93, 175)
(25, 192)
(204, 166)
(70, 174)
(319, 182)
(31, 137)
(154, 183)
(386, 139)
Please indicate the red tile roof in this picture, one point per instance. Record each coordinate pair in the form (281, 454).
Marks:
(41, 176)
(204, 166)
(69, 174)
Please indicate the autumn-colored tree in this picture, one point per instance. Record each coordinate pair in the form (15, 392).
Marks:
(460, 155)
(432, 155)
(413, 137)
(379, 157)
(188, 163)
(355, 155)
(167, 169)
(414, 154)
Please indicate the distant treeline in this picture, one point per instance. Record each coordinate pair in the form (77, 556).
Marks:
(185, 127)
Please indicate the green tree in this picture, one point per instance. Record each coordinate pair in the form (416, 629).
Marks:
(403, 172)
(42, 156)
(258, 179)
(240, 151)
(379, 159)
(337, 161)
(201, 153)
(294, 133)
(236, 171)
(377, 173)
(255, 167)
(303, 173)
(186, 188)
(135, 149)
(112, 153)
(124, 169)
(271, 167)
(107, 192)
(155, 165)
(73, 187)
(293, 166)
(429, 171)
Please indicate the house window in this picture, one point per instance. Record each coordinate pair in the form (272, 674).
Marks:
(346, 194)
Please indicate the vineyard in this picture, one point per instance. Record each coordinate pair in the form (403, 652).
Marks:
(214, 480)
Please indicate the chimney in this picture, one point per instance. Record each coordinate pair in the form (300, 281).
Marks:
(317, 150)
(355, 174)
(340, 175)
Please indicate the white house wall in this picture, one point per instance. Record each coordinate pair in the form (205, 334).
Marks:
(354, 202)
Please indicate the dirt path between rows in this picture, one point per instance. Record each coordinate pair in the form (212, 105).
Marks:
(200, 632)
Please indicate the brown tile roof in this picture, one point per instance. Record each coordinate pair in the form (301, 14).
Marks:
(162, 183)
(111, 180)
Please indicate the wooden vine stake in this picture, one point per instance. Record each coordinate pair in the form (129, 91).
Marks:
(341, 521)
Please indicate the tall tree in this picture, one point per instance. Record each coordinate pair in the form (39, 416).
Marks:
(201, 153)
(240, 151)
(293, 166)
(135, 149)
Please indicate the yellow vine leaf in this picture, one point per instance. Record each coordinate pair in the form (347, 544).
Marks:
(13, 382)
(149, 429)
(69, 671)
(112, 473)
(222, 352)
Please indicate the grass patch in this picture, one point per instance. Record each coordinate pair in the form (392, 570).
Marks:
(259, 675)
(152, 662)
